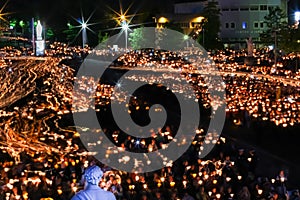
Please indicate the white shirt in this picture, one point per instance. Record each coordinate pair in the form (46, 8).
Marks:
(93, 192)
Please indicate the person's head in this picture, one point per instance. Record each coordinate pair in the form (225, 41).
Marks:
(93, 175)
(144, 197)
(275, 196)
(157, 194)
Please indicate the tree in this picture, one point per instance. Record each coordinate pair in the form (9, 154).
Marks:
(102, 38)
(290, 40)
(49, 34)
(211, 26)
(136, 38)
(70, 33)
(277, 27)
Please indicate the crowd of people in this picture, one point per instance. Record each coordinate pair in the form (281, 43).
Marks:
(228, 173)
(52, 162)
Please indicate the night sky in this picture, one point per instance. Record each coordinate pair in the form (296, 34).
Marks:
(57, 13)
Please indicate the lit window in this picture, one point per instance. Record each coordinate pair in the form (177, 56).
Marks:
(244, 25)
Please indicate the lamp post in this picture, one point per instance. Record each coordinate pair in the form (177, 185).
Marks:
(155, 21)
(125, 29)
(185, 38)
(84, 36)
(203, 30)
(275, 47)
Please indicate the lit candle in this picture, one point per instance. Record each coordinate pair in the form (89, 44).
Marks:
(137, 178)
(25, 195)
(59, 191)
(184, 183)
(273, 180)
(145, 186)
(172, 183)
(74, 188)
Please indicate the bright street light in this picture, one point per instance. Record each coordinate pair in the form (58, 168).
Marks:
(125, 26)
(84, 25)
(122, 17)
(297, 16)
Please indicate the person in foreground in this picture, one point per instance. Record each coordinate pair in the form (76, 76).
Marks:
(92, 191)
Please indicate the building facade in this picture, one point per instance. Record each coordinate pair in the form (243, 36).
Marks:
(242, 19)
(187, 16)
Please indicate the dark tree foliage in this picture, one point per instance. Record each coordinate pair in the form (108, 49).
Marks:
(277, 28)
(211, 26)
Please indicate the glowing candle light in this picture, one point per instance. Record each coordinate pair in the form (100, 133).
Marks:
(25, 196)
(74, 188)
(137, 178)
(184, 183)
(273, 180)
(259, 191)
(59, 191)
(145, 186)
(172, 183)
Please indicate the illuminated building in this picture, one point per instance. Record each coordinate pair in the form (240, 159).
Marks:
(243, 19)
